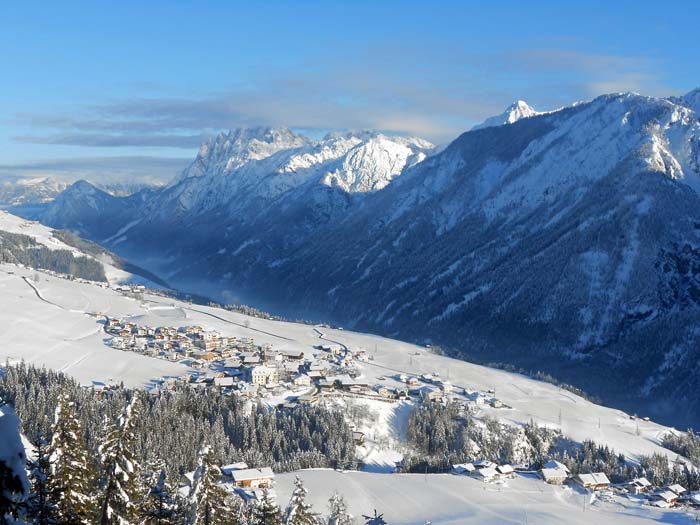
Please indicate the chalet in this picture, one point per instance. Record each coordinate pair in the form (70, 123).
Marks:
(412, 382)
(207, 344)
(292, 355)
(307, 399)
(552, 463)
(639, 486)
(554, 476)
(507, 471)
(431, 394)
(250, 358)
(593, 480)
(663, 498)
(677, 489)
(485, 474)
(384, 391)
(463, 468)
(253, 477)
(227, 470)
(302, 380)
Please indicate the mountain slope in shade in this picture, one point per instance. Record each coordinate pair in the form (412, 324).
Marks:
(567, 242)
(516, 111)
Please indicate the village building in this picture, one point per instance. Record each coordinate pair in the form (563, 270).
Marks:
(593, 480)
(264, 375)
(463, 468)
(639, 486)
(256, 478)
(507, 471)
(663, 498)
(554, 476)
(302, 380)
(485, 474)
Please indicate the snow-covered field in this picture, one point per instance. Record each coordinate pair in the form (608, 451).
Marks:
(445, 499)
(53, 322)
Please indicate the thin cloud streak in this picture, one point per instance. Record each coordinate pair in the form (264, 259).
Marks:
(443, 98)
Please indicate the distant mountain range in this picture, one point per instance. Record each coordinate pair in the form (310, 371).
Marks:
(566, 241)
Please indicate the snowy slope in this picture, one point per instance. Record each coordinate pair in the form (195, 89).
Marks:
(444, 499)
(516, 111)
(56, 327)
(45, 236)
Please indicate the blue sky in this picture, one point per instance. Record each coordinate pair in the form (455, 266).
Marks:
(136, 86)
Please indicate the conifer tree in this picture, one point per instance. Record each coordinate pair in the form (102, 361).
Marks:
(209, 502)
(39, 504)
(338, 511)
(159, 506)
(267, 512)
(299, 511)
(121, 489)
(71, 479)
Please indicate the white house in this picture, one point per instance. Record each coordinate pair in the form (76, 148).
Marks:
(264, 375)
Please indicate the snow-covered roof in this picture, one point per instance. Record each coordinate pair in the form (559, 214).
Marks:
(554, 464)
(676, 488)
(228, 469)
(665, 495)
(641, 482)
(505, 469)
(488, 472)
(252, 473)
(553, 473)
(594, 478)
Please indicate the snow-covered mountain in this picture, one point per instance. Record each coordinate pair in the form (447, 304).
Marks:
(516, 111)
(247, 167)
(23, 191)
(567, 241)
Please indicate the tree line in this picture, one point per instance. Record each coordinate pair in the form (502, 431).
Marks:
(16, 248)
(444, 435)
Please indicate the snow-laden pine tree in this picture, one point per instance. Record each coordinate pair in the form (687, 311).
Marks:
(120, 487)
(40, 508)
(72, 475)
(338, 511)
(159, 506)
(299, 511)
(267, 512)
(208, 501)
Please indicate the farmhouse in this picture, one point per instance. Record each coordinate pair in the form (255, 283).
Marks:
(485, 474)
(594, 480)
(639, 486)
(553, 476)
(253, 477)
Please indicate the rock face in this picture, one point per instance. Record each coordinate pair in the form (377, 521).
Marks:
(566, 241)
